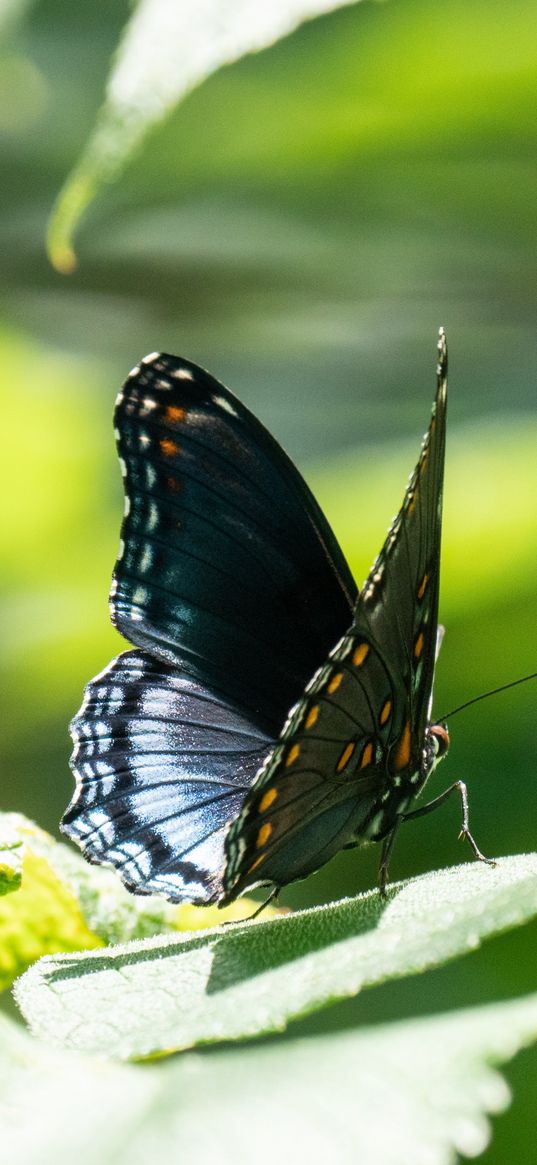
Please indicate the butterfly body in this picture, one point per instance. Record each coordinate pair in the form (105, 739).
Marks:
(193, 778)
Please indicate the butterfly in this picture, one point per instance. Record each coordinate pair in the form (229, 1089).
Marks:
(193, 778)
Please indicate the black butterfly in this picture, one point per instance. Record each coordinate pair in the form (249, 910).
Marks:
(234, 590)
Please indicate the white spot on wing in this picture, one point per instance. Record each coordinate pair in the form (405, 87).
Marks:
(224, 404)
(182, 374)
(137, 857)
(150, 358)
(146, 560)
(147, 406)
(152, 520)
(100, 822)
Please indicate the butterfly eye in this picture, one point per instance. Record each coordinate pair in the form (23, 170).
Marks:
(440, 738)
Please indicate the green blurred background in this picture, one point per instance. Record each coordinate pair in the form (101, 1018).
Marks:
(301, 226)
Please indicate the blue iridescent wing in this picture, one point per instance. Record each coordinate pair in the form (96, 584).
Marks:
(229, 568)
(231, 582)
(352, 754)
(161, 765)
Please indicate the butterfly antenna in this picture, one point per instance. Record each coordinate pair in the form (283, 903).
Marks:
(485, 695)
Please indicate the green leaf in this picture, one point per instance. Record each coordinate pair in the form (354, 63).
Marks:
(167, 50)
(116, 915)
(67, 905)
(10, 860)
(383, 1095)
(43, 916)
(164, 993)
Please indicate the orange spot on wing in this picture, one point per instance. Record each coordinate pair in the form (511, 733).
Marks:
(385, 712)
(403, 748)
(360, 654)
(418, 646)
(334, 683)
(312, 717)
(345, 756)
(367, 755)
(294, 751)
(174, 484)
(267, 800)
(423, 586)
(168, 447)
(175, 414)
(263, 835)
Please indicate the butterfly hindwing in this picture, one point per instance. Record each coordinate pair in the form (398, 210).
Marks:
(162, 765)
(350, 757)
(318, 786)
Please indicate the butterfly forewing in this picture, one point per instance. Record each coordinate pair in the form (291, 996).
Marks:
(349, 759)
(227, 567)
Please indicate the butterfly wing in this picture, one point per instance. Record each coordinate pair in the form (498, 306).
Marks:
(350, 757)
(228, 567)
(231, 582)
(161, 764)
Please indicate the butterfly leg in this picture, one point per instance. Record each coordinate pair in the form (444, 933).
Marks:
(273, 897)
(385, 856)
(460, 788)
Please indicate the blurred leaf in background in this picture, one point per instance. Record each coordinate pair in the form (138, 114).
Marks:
(300, 224)
(355, 1078)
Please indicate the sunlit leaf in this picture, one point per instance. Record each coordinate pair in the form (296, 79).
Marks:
(10, 860)
(67, 905)
(43, 915)
(167, 50)
(166, 993)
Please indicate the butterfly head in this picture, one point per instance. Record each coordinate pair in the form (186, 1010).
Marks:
(435, 747)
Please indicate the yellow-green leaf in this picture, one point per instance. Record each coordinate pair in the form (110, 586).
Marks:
(43, 916)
